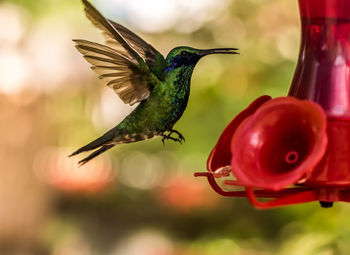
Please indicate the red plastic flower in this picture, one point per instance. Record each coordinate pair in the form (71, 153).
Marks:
(272, 144)
(279, 144)
(283, 148)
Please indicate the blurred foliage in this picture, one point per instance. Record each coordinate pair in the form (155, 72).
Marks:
(153, 205)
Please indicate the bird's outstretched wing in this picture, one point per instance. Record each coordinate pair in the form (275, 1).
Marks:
(117, 71)
(147, 51)
(123, 68)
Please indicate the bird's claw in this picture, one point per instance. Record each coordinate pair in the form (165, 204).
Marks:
(168, 137)
(180, 138)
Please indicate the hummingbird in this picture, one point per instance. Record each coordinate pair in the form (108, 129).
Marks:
(138, 73)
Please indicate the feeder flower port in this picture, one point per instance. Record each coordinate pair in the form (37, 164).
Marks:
(296, 149)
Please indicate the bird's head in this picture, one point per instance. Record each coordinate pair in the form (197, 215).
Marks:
(187, 57)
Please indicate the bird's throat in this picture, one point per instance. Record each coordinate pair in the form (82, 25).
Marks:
(180, 76)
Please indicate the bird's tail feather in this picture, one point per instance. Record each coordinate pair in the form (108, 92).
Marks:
(110, 139)
(102, 140)
(95, 154)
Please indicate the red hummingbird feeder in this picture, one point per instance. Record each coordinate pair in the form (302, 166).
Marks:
(296, 149)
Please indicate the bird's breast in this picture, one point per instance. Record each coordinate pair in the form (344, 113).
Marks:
(165, 105)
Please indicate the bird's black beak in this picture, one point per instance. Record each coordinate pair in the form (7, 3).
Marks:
(203, 53)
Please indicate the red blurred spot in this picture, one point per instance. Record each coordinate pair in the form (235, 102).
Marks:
(185, 194)
(62, 173)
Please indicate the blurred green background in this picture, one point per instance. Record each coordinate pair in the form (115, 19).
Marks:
(142, 198)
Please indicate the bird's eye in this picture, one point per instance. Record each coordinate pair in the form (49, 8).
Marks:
(184, 53)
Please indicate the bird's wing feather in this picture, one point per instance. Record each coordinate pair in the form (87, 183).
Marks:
(117, 71)
(122, 67)
(103, 24)
(147, 51)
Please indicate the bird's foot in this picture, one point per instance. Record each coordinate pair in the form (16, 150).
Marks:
(169, 137)
(180, 136)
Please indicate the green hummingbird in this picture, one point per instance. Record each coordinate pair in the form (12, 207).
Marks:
(138, 73)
